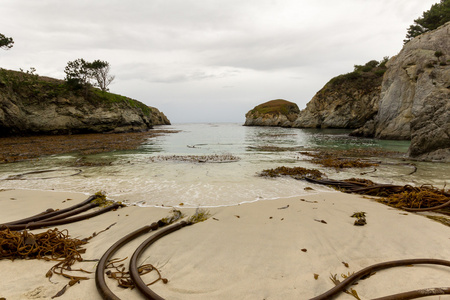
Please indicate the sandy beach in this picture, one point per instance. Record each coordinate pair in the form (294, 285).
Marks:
(263, 250)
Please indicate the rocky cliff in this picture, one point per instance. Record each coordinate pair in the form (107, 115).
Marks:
(346, 101)
(158, 117)
(273, 113)
(30, 104)
(415, 97)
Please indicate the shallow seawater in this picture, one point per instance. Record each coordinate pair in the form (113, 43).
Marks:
(213, 165)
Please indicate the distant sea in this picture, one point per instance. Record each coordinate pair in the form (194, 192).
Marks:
(214, 165)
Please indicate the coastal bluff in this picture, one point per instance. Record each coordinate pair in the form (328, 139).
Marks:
(407, 98)
(277, 112)
(36, 105)
(415, 97)
(346, 101)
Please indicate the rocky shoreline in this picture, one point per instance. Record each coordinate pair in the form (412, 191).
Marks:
(35, 105)
(405, 98)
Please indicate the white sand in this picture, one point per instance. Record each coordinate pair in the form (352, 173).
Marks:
(249, 251)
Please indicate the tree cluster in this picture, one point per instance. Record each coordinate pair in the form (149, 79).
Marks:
(6, 42)
(83, 73)
(438, 15)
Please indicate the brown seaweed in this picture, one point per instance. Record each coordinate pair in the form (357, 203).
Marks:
(295, 172)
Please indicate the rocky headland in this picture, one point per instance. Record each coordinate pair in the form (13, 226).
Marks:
(404, 98)
(36, 105)
(346, 101)
(415, 97)
(273, 113)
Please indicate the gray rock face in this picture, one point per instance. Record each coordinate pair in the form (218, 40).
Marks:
(22, 114)
(280, 113)
(349, 104)
(158, 117)
(415, 96)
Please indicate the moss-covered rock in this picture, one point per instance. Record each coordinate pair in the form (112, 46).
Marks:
(31, 104)
(273, 113)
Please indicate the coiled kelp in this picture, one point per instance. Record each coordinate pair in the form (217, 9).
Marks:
(351, 279)
(59, 217)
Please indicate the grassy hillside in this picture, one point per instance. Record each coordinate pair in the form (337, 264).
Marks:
(35, 89)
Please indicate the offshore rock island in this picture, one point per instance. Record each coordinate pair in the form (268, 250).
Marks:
(273, 113)
(404, 98)
(37, 105)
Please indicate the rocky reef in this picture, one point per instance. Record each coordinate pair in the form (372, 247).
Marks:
(31, 104)
(415, 97)
(277, 112)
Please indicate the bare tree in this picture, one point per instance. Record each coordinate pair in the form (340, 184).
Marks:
(100, 71)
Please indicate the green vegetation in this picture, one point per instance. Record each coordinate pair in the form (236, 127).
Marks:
(364, 76)
(79, 74)
(31, 87)
(437, 15)
(36, 89)
(6, 42)
(98, 95)
(276, 106)
(199, 216)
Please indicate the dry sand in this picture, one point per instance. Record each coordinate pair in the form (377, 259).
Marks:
(249, 251)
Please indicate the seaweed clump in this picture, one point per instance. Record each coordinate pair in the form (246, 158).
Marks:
(334, 160)
(50, 245)
(419, 198)
(213, 158)
(407, 197)
(199, 216)
(295, 172)
(100, 199)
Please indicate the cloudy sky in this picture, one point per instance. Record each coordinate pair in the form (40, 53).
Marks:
(207, 60)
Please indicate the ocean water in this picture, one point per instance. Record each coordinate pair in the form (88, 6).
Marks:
(213, 165)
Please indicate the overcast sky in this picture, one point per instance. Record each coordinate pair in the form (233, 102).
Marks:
(207, 60)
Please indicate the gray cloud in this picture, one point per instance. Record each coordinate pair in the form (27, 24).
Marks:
(178, 55)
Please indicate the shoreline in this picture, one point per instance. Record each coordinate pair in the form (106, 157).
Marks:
(247, 251)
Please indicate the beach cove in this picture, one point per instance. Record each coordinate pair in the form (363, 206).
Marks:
(277, 249)
(266, 238)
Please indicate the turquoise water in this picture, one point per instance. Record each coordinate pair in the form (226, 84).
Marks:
(166, 170)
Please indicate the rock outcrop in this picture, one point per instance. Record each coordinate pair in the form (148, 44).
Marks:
(346, 101)
(273, 113)
(415, 97)
(30, 105)
(158, 117)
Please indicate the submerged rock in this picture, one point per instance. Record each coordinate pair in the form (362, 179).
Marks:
(273, 113)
